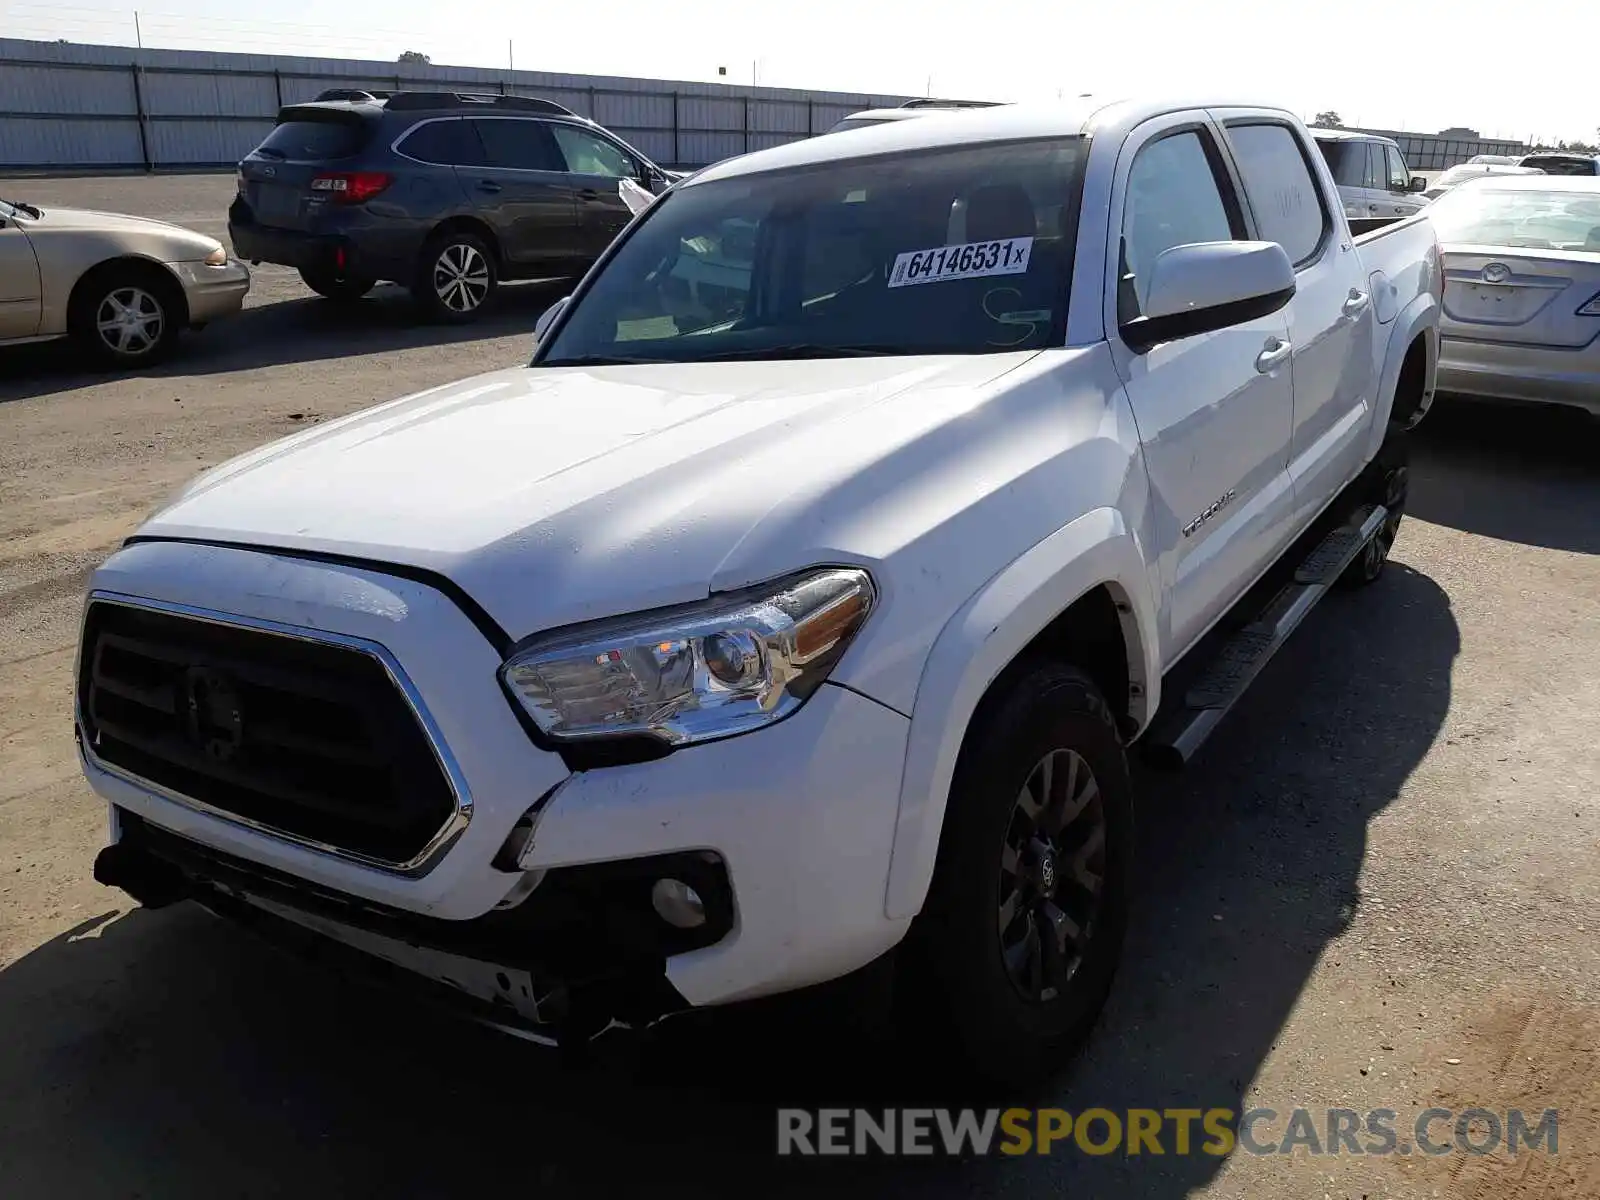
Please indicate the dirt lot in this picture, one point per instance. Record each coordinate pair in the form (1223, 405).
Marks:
(1379, 888)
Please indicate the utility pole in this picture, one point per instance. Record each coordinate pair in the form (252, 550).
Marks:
(511, 57)
(138, 34)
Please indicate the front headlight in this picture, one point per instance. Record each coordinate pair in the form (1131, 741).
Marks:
(691, 674)
(217, 258)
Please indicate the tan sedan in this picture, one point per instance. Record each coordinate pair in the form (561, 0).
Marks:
(122, 287)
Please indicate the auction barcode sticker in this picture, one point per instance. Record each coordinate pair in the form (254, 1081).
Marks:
(971, 260)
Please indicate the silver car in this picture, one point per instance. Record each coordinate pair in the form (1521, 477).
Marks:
(122, 286)
(1522, 289)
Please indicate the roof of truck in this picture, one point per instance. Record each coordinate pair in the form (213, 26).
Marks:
(956, 127)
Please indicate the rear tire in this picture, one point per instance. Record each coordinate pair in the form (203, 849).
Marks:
(1014, 953)
(1388, 483)
(344, 289)
(126, 315)
(456, 277)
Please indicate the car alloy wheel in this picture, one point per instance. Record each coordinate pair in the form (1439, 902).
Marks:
(130, 321)
(1052, 875)
(461, 277)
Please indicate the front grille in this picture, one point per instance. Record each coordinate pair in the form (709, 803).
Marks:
(308, 738)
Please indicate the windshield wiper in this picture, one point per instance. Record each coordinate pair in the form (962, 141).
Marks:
(597, 360)
(807, 350)
(33, 212)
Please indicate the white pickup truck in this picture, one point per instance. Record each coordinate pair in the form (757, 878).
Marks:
(796, 608)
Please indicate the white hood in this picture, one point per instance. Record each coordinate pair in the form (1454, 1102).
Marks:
(554, 495)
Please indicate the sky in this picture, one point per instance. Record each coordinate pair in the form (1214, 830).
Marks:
(1421, 67)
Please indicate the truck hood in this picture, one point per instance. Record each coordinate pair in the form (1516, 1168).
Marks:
(555, 495)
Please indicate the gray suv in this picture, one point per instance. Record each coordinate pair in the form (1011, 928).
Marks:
(445, 193)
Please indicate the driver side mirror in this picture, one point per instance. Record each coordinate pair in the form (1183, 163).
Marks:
(547, 319)
(1206, 286)
(1419, 183)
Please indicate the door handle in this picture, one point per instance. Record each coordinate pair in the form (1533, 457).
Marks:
(1276, 352)
(1356, 303)
(1372, 209)
(488, 185)
(589, 193)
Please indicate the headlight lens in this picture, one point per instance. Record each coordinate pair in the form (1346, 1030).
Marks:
(217, 258)
(734, 663)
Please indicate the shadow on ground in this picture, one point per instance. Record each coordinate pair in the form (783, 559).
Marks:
(288, 331)
(164, 1054)
(1518, 473)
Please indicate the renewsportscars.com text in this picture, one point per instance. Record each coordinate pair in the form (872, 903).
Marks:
(1217, 1132)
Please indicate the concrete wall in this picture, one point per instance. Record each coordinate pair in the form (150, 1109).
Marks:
(66, 106)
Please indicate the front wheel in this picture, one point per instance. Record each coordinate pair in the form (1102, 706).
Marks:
(1014, 953)
(456, 277)
(126, 316)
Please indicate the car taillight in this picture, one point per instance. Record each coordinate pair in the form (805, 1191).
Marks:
(352, 187)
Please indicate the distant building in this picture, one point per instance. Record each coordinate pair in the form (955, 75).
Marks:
(1459, 131)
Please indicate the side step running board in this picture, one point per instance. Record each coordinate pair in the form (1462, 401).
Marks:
(1179, 732)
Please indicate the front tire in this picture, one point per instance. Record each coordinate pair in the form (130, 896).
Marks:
(1014, 953)
(456, 277)
(126, 316)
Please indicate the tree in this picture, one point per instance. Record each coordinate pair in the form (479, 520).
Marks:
(416, 57)
(1328, 120)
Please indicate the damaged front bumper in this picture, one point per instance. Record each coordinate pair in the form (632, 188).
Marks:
(582, 952)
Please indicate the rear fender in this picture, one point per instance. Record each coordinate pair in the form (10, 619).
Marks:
(980, 640)
(1420, 318)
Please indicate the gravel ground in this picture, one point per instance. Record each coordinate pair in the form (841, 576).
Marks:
(1378, 888)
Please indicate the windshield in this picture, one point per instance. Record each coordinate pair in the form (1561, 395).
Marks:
(1346, 159)
(957, 251)
(1539, 220)
(1556, 164)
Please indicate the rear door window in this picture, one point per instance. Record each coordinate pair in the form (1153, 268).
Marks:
(518, 145)
(1277, 180)
(451, 142)
(315, 140)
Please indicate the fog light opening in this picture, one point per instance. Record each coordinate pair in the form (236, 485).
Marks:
(678, 904)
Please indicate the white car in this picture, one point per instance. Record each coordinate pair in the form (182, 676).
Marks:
(797, 607)
(1522, 311)
(1466, 172)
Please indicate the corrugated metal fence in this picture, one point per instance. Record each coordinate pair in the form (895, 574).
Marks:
(1431, 152)
(71, 106)
(65, 106)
